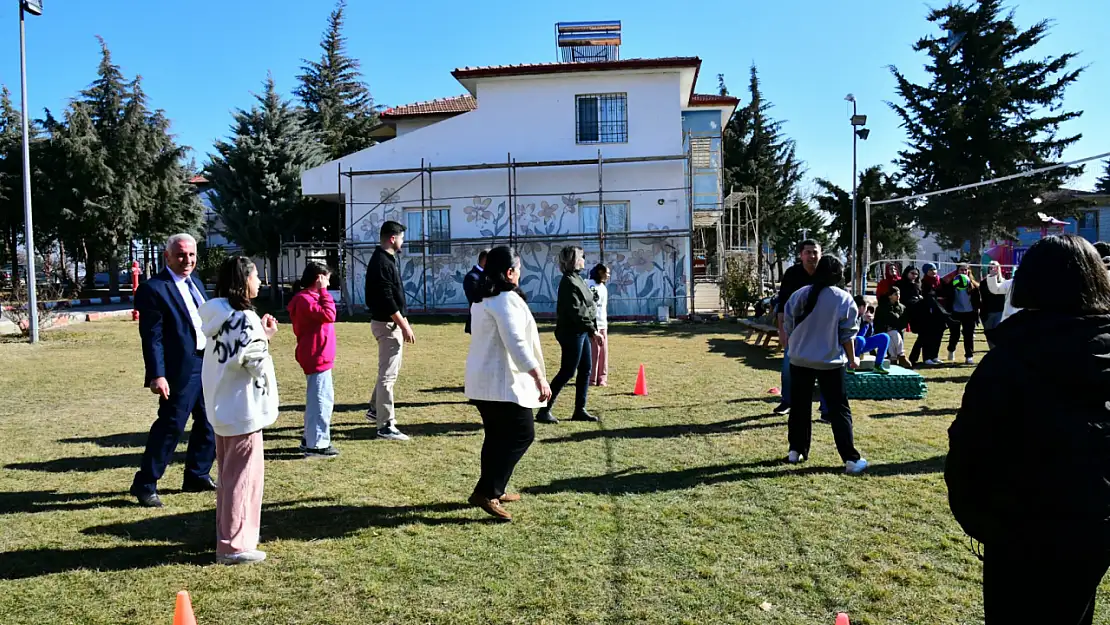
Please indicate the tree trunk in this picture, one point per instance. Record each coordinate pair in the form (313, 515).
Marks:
(113, 273)
(275, 286)
(90, 265)
(976, 254)
(15, 260)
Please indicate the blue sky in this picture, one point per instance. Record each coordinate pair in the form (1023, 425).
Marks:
(201, 59)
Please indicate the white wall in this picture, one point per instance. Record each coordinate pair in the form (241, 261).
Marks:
(405, 126)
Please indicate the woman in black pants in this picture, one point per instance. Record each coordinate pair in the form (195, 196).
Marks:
(1028, 466)
(504, 377)
(575, 328)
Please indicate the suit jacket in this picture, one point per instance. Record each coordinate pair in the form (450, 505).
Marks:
(470, 285)
(169, 339)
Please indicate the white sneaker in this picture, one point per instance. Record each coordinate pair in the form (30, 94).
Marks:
(934, 362)
(243, 557)
(951, 356)
(856, 467)
(794, 457)
(970, 361)
(391, 433)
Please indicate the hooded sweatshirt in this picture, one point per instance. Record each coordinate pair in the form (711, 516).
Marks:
(240, 388)
(817, 341)
(313, 315)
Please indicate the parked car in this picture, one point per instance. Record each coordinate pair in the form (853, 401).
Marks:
(100, 279)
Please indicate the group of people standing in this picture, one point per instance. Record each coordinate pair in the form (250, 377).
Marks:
(210, 359)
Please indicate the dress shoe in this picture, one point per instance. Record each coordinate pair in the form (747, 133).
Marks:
(582, 415)
(149, 500)
(545, 416)
(509, 497)
(491, 506)
(199, 486)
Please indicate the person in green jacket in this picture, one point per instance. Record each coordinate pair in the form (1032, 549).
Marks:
(575, 329)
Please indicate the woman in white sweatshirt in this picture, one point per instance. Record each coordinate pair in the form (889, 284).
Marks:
(240, 394)
(505, 377)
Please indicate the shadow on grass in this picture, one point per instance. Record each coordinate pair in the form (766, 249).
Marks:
(682, 330)
(192, 534)
(37, 562)
(955, 379)
(125, 439)
(752, 356)
(628, 482)
(443, 389)
(921, 412)
(731, 426)
(33, 501)
(348, 431)
(361, 407)
(86, 464)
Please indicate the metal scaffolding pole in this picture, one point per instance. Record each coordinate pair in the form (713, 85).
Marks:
(600, 209)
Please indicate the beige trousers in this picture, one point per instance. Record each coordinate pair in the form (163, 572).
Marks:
(390, 344)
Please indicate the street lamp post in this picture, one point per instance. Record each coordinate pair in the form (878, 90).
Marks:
(858, 131)
(34, 7)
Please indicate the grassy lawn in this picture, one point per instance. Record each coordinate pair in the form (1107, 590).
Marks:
(675, 509)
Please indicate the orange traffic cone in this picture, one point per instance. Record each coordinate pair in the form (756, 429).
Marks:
(183, 613)
(641, 383)
(842, 619)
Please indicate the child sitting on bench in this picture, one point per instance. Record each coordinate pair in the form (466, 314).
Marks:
(866, 339)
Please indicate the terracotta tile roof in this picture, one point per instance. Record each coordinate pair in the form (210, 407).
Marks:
(440, 106)
(488, 71)
(705, 99)
(198, 180)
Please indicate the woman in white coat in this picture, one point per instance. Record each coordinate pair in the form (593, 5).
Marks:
(505, 377)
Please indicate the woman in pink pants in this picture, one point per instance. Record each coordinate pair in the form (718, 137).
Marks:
(599, 374)
(240, 394)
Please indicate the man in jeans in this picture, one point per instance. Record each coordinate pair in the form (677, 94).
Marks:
(794, 278)
(385, 297)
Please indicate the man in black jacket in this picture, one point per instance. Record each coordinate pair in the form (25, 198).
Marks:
(470, 285)
(385, 297)
(793, 279)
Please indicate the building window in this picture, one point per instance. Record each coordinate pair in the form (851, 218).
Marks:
(602, 118)
(434, 227)
(615, 225)
(700, 152)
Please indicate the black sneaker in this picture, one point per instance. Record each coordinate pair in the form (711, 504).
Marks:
(783, 408)
(326, 452)
(824, 419)
(545, 416)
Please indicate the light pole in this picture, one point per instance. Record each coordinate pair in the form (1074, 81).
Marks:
(34, 7)
(858, 121)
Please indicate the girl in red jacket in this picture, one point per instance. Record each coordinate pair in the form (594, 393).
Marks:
(312, 312)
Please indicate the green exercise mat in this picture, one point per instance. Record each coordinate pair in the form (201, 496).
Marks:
(900, 383)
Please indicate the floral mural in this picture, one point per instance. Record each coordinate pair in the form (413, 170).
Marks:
(651, 273)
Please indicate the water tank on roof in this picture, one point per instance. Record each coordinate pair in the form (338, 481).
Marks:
(588, 42)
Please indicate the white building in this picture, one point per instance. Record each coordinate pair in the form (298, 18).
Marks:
(524, 158)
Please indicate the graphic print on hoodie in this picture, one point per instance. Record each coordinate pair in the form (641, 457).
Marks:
(240, 388)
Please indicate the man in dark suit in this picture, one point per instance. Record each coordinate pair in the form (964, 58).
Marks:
(470, 285)
(173, 347)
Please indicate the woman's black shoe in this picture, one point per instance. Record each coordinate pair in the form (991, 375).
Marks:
(544, 416)
(582, 415)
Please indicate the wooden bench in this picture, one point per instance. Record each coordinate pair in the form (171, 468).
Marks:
(762, 331)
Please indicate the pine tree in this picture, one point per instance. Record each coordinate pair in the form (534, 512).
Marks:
(11, 180)
(1103, 183)
(256, 176)
(758, 156)
(992, 107)
(890, 223)
(338, 102)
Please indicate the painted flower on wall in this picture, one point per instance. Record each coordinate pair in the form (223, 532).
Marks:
(479, 210)
(640, 260)
(570, 202)
(547, 211)
(525, 214)
(389, 198)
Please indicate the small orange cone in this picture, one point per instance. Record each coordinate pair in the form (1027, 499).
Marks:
(183, 613)
(641, 383)
(842, 619)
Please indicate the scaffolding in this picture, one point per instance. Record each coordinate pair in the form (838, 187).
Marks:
(434, 267)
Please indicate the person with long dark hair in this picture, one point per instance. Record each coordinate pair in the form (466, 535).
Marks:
(312, 313)
(821, 322)
(505, 376)
(576, 330)
(1028, 465)
(240, 391)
